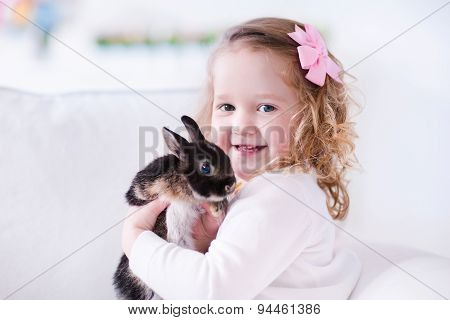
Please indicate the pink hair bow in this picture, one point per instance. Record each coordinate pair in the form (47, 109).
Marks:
(313, 55)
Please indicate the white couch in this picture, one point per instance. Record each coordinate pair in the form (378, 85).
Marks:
(66, 162)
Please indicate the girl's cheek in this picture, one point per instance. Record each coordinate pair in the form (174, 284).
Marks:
(224, 139)
(221, 133)
(221, 137)
(277, 140)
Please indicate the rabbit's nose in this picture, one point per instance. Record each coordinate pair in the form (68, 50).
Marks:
(231, 188)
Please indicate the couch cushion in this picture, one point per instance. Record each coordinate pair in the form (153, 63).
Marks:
(66, 162)
(397, 272)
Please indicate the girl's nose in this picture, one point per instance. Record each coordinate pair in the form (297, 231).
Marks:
(244, 123)
(244, 129)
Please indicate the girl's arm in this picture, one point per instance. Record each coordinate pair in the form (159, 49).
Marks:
(262, 234)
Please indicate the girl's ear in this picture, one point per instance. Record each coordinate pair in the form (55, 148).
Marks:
(192, 128)
(174, 141)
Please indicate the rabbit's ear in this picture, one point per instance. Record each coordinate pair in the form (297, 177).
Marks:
(192, 128)
(174, 141)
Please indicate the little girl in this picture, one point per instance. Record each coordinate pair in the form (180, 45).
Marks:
(277, 106)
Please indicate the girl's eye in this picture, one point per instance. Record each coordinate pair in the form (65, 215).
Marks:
(227, 107)
(266, 108)
(205, 167)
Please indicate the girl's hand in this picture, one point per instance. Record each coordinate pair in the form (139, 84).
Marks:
(140, 219)
(205, 230)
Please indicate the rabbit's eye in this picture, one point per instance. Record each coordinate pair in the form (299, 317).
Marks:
(205, 168)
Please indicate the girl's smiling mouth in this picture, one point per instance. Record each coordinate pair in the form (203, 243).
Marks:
(247, 149)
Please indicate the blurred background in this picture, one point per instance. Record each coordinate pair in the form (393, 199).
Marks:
(71, 105)
(156, 44)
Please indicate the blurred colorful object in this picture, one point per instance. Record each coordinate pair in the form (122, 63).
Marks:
(45, 18)
(139, 40)
(43, 13)
(24, 8)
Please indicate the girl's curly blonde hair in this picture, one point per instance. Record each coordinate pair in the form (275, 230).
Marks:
(321, 135)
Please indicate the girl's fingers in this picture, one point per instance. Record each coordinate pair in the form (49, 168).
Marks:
(206, 226)
(145, 216)
(156, 206)
(138, 220)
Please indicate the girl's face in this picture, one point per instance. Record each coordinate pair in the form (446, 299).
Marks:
(251, 109)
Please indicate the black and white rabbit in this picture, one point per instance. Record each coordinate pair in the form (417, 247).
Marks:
(197, 171)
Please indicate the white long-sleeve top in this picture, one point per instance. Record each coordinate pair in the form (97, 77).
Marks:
(277, 241)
